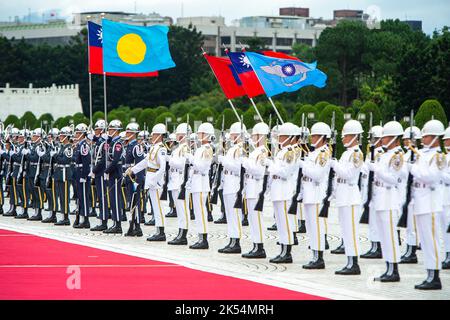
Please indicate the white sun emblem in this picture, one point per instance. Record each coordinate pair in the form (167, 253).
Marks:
(244, 61)
(100, 35)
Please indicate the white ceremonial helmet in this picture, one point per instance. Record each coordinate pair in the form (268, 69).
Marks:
(182, 128)
(81, 127)
(352, 127)
(433, 128)
(260, 128)
(38, 132)
(122, 135)
(392, 129)
(100, 124)
(207, 128)
(236, 128)
(143, 134)
(321, 128)
(115, 124)
(133, 127)
(446, 134)
(15, 132)
(159, 128)
(54, 131)
(416, 133)
(287, 129)
(377, 131)
(65, 131)
(172, 137)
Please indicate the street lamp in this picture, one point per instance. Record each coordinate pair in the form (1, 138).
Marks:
(406, 119)
(210, 119)
(179, 119)
(361, 117)
(311, 115)
(255, 117)
(347, 116)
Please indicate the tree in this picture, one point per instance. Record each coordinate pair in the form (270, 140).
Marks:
(97, 116)
(165, 115)
(80, 118)
(367, 109)
(230, 118)
(12, 119)
(135, 113)
(28, 120)
(146, 118)
(256, 44)
(321, 105)
(205, 113)
(326, 116)
(430, 109)
(46, 117)
(305, 110)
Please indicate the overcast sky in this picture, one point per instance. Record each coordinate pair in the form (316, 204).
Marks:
(433, 13)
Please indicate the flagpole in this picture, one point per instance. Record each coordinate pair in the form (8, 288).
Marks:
(276, 110)
(234, 109)
(256, 109)
(104, 98)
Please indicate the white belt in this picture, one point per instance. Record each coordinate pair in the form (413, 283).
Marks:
(231, 173)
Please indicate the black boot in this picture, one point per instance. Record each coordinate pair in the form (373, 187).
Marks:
(85, 224)
(327, 245)
(101, 227)
(399, 239)
(233, 247)
(137, 232)
(74, 212)
(64, 222)
(226, 247)
(273, 227)
(352, 267)
(115, 229)
(391, 274)
(51, 219)
(410, 256)
(317, 262)
(172, 213)
(202, 242)
(92, 213)
(180, 239)
(11, 212)
(130, 230)
(221, 220)
(432, 282)
(192, 217)
(340, 249)
(37, 216)
(258, 252)
(150, 222)
(302, 227)
(295, 240)
(1, 210)
(23, 215)
(124, 218)
(245, 221)
(76, 223)
(284, 256)
(158, 236)
(374, 252)
(210, 217)
(446, 263)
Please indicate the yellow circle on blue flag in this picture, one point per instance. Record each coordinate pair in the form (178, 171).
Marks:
(131, 48)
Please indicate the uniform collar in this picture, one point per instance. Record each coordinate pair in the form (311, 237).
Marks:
(115, 138)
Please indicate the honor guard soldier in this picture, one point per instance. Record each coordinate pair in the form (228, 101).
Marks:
(178, 179)
(63, 173)
(133, 155)
(114, 175)
(428, 200)
(412, 236)
(255, 170)
(98, 173)
(171, 145)
(47, 154)
(375, 250)
(302, 151)
(389, 171)
(21, 163)
(3, 164)
(82, 168)
(198, 185)
(347, 194)
(35, 166)
(315, 170)
(232, 163)
(446, 214)
(274, 150)
(10, 180)
(282, 190)
(155, 165)
(142, 139)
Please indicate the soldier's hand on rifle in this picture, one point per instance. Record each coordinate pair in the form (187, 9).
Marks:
(128, 172)
(105, 136)
(90, 136)
(106, 176)
(91, 174)
(25, 151)
(333, 163)
(372, 166)
(52, 153)
(189, 157)
(82, 180)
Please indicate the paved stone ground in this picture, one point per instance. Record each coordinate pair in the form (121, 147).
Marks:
(291, 276)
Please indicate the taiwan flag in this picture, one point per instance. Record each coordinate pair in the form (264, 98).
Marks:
(95, 43)
(226, 76)
(246, 74)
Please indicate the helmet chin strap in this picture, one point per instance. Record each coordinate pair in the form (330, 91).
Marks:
(390, 142)
(347, 145)
(431, 143)
(317, 142)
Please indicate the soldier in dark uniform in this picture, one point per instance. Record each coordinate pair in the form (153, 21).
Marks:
(20, 173)
(98, 170)
(8, 168)
(62, 174)
(113, 174)
(3, 160)
(82, 159)
(123, 194)
(32, 179)
(134, 154)
(47, 181)
(145, 146)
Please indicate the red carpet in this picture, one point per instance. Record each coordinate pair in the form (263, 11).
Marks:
(33, 267)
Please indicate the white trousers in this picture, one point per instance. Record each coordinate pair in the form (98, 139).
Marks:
(255, 221)
(285, 221)
(428, 228)
(349, 222)
(373, 228)
(157, 208)
(445, 222)
(300, 210)
(234, 216)
(201, 215)
(315, 226)
(387, 227)
(182, 207)
(412, 237)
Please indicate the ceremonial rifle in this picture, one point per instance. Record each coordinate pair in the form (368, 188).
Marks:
(239, 201)
(260, 203)
(182, 194)
(294, 201)
(365, 215)
(326, 202)
(218, 176)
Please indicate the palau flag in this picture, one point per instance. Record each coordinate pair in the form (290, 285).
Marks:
(95, 43)
(131, 49)
(278, 75)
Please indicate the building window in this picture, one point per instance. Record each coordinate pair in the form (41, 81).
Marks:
(305, 41)
(284, 41)
(225, 40)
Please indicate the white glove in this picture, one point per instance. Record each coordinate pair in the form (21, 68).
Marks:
(40, 153)
(268, 162)
(300, 163)
(90, 136)
(220, 158)
(372, 166)
(91, 174)
(82, 180)
(105, 136)
(333, 163)
(25, 151)
(52, 153)
(1, 152)
(189, 157)
(106, 176)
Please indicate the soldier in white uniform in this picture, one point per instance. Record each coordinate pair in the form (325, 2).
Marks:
(155, 164)
(282, 189)
(304, 131)
(428, 201)
(347, 194)
(315, 169)
(177, 163)
(374, 237)
(446, 216)
(389, 171)
(232, 163)
(412, 236)
(198, 184)
(254, 177)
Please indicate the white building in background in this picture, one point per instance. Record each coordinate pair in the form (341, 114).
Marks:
(59, 101)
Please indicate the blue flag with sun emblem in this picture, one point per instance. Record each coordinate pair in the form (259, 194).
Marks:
(284, 75)
(135, 49)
